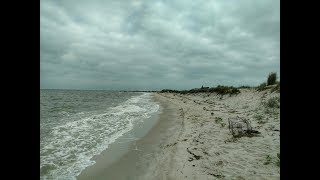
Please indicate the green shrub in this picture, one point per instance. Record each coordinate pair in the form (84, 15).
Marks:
(272, 78)
(262, 86)
(224, 90)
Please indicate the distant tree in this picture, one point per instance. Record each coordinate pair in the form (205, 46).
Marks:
(272, 78)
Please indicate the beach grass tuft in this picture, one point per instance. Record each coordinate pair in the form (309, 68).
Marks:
(267, 160)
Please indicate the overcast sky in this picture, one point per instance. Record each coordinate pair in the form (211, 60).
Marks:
(157, 44)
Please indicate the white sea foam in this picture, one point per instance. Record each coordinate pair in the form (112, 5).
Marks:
(72, 145)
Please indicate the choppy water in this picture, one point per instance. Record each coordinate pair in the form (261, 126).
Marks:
(75, 125)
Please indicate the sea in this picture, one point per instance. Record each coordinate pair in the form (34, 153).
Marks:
(76, 125)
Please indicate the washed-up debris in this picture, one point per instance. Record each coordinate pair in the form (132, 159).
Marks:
(240, 126)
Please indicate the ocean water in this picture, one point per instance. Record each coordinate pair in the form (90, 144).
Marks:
(75, 125)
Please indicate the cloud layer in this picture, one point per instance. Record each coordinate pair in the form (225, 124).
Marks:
(143, 44)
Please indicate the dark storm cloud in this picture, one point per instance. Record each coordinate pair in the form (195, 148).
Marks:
(141, 44)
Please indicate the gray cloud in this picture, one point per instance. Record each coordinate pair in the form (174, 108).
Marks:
(143, 44)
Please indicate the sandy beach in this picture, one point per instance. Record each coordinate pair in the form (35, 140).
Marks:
(160, 90)
(191, 140)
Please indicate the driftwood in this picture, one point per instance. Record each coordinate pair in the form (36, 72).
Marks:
(240, 126)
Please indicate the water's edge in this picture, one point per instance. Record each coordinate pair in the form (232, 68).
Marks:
(121, 146)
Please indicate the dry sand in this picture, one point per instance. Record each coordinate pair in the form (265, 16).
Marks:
(188, 143)
(204, 149)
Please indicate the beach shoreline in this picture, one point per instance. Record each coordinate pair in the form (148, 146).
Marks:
(133, 157)
(187, 141)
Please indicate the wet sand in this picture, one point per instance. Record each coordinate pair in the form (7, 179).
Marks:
(130, 160)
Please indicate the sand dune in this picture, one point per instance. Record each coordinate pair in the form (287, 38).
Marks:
(202, 146)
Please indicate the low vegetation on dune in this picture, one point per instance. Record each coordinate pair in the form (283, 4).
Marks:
(245, 87)
(219, 120)
(270, 160)
(271, 106)
(259, 118)
(262, 86)
(225, 90)
(247, 122)
(222, 90)
(169, 91)
(276, 88)
(273, 102)
(271, 83)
